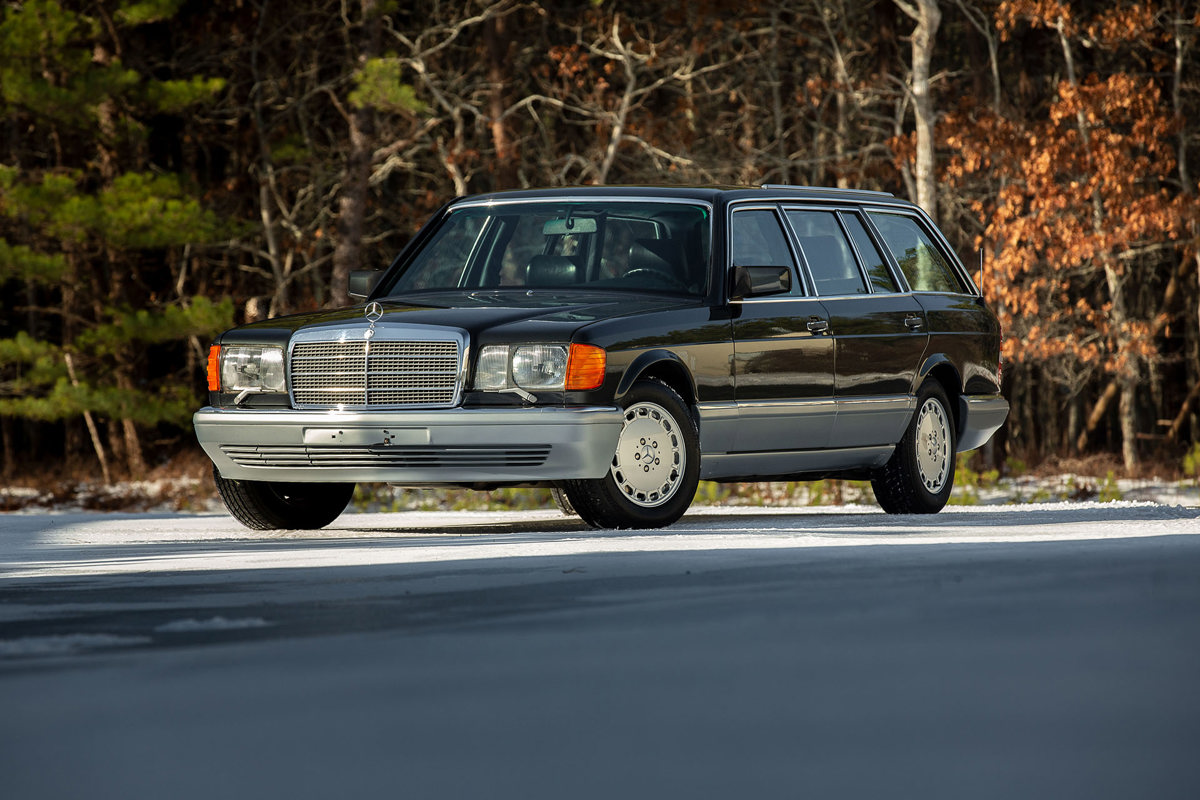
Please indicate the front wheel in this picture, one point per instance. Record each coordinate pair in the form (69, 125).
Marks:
(266, 505)
(655, 469)
(919, 476)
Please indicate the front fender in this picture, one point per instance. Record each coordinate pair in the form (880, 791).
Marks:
(663, 364)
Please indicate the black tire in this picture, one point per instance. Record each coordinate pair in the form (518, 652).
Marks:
(919, 476)
(655, 469)
(266, 506)
(563, 502)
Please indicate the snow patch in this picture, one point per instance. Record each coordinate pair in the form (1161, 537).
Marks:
(69, 643)
(214, 624)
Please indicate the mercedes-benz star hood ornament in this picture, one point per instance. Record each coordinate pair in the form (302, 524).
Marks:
(373, 314)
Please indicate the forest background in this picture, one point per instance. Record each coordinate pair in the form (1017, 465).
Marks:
(169, 168)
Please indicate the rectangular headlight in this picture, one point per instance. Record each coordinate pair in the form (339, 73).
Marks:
(491, 373)
(257, 369)
(540, 366)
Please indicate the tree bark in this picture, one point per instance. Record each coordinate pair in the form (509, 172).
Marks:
(1100, 408)
(10, 458)
(280, 301)
(97, 444)
(498, 39)
(928, 17)
(1181, 418)
(352, 205)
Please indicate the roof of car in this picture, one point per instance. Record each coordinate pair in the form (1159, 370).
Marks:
(712, 193)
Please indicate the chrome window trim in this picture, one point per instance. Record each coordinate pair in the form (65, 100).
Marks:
(576, 198)
(838, 209)
(858, 214)
(940, 242)
(804, 287)
(791, 230)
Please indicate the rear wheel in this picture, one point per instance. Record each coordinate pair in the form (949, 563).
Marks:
(655, 469)
(919, 476)
(267, 505)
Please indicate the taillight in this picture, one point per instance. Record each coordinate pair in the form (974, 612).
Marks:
(1000, 362)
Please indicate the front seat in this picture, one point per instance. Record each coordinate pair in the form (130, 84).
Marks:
(544, 270)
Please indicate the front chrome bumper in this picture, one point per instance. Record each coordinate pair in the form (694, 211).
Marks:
(410, 447)
(979, 417)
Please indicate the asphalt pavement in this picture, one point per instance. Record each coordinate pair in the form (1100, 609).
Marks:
(1019, 651)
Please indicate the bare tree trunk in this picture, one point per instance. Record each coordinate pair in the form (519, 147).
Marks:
(10, 458)
(1182, 42)
(97, 444)
(1157, 325)
(1074, 421)
(133, 449)
(928, 17)
(983, 26)
(1184, 33)
(497, 37)
(1181, 418)
(1127, 379)
(841, 103)
(1124, 385)
(280, 302)
(621, 116)
(778, 114)
(352, 205)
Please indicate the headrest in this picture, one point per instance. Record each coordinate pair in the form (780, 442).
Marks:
(546, 270)
(657, 254)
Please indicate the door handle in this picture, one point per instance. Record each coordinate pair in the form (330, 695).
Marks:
(818, 325)
(913, 322)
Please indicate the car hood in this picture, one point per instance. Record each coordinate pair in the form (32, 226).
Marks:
(495, 315)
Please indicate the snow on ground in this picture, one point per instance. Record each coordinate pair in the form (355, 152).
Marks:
(107, 544)
(194, 496)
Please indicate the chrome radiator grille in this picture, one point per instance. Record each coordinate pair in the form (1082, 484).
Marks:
(375, 373)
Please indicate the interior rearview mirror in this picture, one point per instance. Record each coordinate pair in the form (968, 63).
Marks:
(561, 227)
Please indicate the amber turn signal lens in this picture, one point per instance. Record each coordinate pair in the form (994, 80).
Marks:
(214, 368)
(586, 364)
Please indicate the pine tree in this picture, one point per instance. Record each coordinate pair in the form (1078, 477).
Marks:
(93, 234)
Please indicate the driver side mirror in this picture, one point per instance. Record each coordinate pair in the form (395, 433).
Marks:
(759, 281)
(363, 282)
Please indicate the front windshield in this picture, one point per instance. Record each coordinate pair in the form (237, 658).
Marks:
(603, 245)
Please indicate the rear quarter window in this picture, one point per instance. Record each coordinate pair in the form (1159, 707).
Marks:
(923, 265)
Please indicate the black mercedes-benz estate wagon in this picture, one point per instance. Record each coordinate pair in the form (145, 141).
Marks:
(619, 345)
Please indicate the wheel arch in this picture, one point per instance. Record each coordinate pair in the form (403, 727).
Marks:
(941, 369)
(666, 367)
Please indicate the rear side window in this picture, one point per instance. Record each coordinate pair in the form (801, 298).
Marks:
(926, 269)
(872, 261)
(827, 253)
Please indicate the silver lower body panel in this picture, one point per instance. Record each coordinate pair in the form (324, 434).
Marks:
(764, 465)
(980, 416)
(456, 445)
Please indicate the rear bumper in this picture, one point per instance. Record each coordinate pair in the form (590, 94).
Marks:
(411, 447)
(980, 416)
